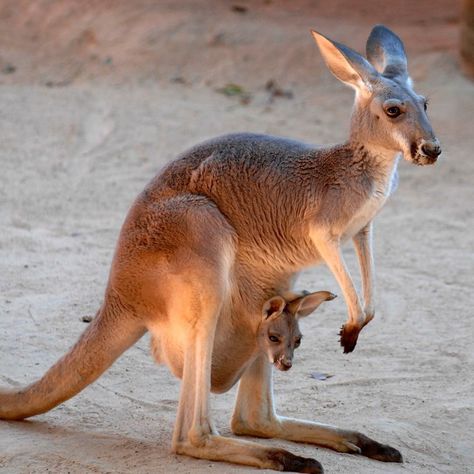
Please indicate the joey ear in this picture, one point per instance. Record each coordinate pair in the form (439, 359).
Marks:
(386, 52)
(347, 65)
(306, 304)
(273, 307)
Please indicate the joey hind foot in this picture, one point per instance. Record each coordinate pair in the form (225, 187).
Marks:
(283, 460)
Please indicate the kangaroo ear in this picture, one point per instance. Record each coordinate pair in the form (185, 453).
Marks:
(386, 52)
(347, 65)
(273, 307)
(306, 304)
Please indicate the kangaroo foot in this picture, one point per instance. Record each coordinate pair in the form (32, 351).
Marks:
(219, 448)
(290, 462)
(374, 450)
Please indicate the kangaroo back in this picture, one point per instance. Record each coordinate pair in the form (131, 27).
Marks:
(111, 332)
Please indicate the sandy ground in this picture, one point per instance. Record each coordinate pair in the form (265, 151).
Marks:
(96, 99)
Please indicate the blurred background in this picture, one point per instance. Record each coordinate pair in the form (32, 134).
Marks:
(96, 96)
(57, 43)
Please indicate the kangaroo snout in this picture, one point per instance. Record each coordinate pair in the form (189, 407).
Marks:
(431, 149)
(425, 152)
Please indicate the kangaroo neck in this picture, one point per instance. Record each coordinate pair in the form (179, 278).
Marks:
(381, 161)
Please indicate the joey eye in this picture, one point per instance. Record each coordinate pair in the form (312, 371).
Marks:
(425, 105)
(273, 338)
(298, 342)
(393, 111)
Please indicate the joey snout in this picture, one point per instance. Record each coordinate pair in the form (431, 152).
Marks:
(283, 363)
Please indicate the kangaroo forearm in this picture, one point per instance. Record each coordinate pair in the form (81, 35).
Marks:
(363, 247)
(331, 253)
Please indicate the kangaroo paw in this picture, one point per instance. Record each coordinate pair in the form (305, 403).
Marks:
(290, 462)
(349, 335)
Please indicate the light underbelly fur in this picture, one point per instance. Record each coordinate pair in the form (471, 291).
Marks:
(364, 215)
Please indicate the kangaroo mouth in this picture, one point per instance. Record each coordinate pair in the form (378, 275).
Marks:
(423, 160)
(419, 158)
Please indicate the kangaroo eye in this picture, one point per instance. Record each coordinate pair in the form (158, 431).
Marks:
(393, 111)
(273, 338)
(425, 105)
(298, 342)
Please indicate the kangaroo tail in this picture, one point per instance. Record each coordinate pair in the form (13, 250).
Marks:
(110, 333)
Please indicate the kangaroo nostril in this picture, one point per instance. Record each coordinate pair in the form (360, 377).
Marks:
(431, 150)
(426, 150)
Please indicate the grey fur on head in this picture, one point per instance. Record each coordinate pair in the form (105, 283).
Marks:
(386, 52)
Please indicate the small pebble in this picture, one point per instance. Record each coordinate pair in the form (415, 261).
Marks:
(9, 69)
(239, 8)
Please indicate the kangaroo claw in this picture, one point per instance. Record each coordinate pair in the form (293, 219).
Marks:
(374, 450)
(351, 448)
(287, 461)
(348, 339)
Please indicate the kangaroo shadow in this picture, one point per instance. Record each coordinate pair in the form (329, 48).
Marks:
(87, 448)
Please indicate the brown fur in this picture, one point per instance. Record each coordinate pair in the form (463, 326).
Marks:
(226, 226)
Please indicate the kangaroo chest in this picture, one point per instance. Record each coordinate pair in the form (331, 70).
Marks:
(371, 206)
(364, 215)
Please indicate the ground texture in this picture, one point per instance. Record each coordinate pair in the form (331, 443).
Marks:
(97, 96)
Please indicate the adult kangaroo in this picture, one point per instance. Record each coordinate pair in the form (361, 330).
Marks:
(228, 225)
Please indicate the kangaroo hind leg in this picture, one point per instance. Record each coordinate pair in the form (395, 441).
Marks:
(254, 415)
(195, 435)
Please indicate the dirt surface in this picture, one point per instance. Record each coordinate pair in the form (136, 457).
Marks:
(97, 96)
